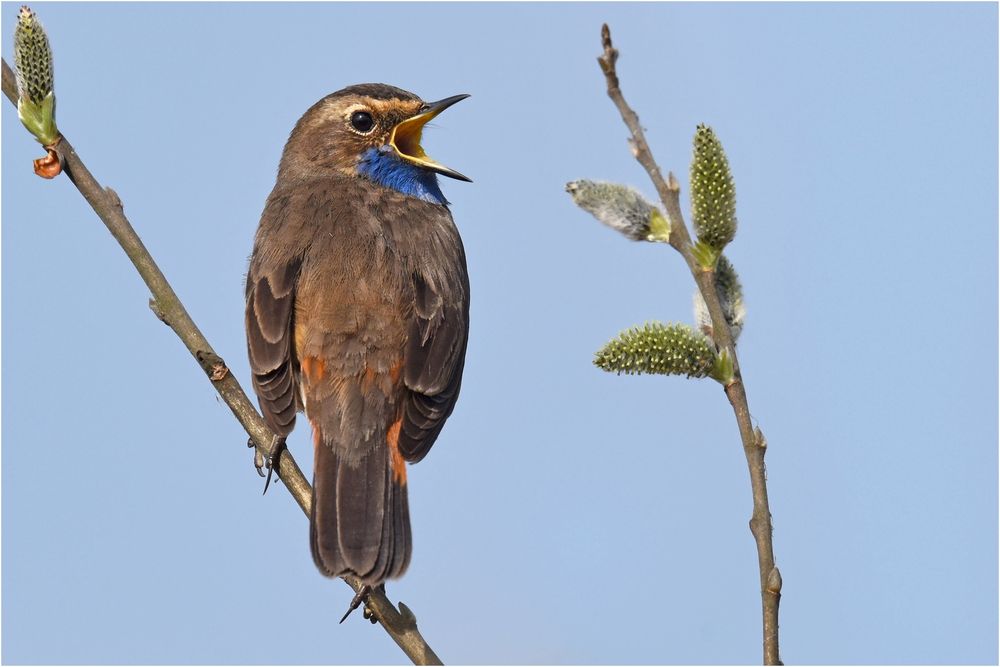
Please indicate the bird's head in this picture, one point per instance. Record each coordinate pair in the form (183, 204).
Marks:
(372, 131)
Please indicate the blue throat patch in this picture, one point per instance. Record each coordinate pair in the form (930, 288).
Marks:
(383, 166)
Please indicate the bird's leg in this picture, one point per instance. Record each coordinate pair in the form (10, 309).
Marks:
(272, 460)
(367, 612)
(362, 596)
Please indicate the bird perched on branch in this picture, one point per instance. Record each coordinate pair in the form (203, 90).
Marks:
(357, 313)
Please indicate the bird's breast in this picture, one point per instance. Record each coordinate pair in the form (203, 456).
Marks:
(356, 297)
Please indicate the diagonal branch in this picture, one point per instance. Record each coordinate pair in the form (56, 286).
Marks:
(400, 625)
(754, 443)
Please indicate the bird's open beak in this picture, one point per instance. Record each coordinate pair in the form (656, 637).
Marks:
(405, 138)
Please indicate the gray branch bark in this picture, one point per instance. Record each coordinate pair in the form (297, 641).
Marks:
(400, 624)
(754, 444)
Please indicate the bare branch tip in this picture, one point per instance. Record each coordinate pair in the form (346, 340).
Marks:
(610, 55)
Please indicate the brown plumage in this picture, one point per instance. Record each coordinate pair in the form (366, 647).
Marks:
(357, 314)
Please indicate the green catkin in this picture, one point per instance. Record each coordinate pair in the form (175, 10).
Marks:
(661, 349)
(713, 195)
(32, 58)
(36, 101)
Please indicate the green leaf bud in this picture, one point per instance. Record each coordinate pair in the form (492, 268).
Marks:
(662, 349)
(713, 195)
(723, 369)
(705, 255)
(622, 208)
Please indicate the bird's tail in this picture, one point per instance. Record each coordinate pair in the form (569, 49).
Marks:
(360, 521)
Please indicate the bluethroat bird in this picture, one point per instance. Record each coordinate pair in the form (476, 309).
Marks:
(357, 314)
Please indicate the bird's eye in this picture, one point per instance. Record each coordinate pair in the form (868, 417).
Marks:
(362, 121)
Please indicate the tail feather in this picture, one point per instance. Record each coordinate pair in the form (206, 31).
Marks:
(361, 509)
(401, 527)
(326, 548)
(360, 521)
(387, 547)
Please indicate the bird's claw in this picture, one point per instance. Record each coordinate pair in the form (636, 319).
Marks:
(358, 598)
(271, 461)
(258, 458)
(362, 596)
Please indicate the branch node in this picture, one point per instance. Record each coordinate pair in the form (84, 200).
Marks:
(213, 365)
(633, 148)
(219, 372)
(760, 525)
(672, 183)
(409, 618)
(774, 581)
(759, 438)
(154, 306)
(116, 201)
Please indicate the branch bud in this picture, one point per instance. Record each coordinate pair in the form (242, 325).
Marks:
(713, 195)
(36, 104)
(661, 349)
(723, 370)
(622, 208)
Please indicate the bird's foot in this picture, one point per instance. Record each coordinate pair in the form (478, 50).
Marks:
(271, 461)
(362, 596)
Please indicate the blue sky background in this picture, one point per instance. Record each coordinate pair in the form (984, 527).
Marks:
(565, 515)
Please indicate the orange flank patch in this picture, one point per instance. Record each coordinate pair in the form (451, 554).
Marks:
(398, 464)
(395, 370)
(317, 441)
(314, 369)
(317, 436)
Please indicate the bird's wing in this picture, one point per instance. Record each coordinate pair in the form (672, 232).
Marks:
(270, 308)
(435, 356)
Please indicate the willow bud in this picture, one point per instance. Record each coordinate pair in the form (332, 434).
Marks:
(622, 208)
(730, 291)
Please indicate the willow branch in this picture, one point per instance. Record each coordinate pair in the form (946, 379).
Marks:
(754, 444)
(400, 625)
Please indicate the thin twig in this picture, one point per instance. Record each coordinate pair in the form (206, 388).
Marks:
(400, 625)
(754, 444)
